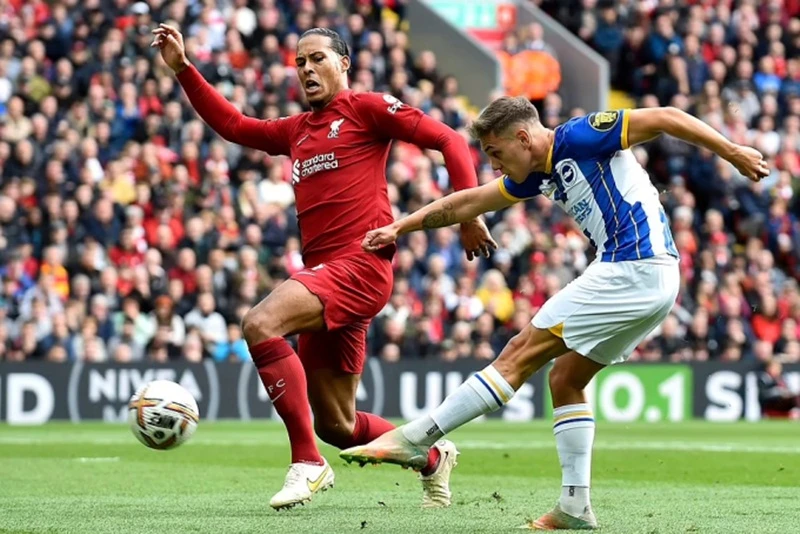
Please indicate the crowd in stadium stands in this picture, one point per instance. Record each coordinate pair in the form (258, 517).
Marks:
(130, 231)
(736, 65)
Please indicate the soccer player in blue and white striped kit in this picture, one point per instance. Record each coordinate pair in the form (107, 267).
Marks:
(585, 167)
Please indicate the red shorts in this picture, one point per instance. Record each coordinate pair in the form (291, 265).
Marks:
(353, 290)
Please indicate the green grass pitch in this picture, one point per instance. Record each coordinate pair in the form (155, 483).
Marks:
(657, 478)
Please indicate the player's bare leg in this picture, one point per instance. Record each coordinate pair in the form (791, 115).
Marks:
(290, 308)
(573, 427)
(484, 392)
(333, 400)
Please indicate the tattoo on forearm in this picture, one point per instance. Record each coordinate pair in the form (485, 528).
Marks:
(439, 218)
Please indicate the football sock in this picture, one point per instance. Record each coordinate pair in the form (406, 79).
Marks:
(284, 379)
(484, 392)
(433, 462)
(573, 426)
(368, 427)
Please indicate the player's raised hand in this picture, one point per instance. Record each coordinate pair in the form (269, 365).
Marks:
(750, 163)
(476, 239)
(377, 239)
(170, 42)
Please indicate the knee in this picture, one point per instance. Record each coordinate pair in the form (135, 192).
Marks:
(518, 359)
(336, 431)
(257, 326)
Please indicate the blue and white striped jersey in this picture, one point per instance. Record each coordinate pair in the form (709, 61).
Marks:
(593, 176)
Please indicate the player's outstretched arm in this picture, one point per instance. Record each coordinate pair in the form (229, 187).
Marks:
(388, 117)
(647, 124)
(430, 133)
(455, 208)
(213, 108)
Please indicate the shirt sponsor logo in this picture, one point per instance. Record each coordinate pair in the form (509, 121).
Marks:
(320, 162)
(581, 210)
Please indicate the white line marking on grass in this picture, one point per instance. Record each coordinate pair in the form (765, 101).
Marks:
(636, 446)
(99, 459)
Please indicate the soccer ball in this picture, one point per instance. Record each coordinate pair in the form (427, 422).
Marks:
(162, 414)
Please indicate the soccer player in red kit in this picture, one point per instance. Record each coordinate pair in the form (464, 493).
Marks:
(339, 152)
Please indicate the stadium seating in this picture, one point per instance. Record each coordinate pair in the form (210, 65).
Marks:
(125, 221)
(735, 66)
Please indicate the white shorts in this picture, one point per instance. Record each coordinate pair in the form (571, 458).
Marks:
(608, 310)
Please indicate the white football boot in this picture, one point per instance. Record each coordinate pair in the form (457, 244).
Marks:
(302, 482)
(436, 486)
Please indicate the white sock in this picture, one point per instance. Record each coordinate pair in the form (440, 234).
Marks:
(482, 393)
(573, 426)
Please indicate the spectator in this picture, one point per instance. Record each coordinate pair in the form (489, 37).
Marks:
(608, 37)
(126, 253)
(59, 337)
(164, 316)
(276, 190)
(460, 335)
(122, 353)
(463, 303)
(107, 175)
(235, 348)
(160, 348)
(144, 327)
(209, 323)
(670, 341)
(134, 350)
(495, 296)
(86, 345)
(774, 395)
(26, 346)
(766, 321)
(192, 350)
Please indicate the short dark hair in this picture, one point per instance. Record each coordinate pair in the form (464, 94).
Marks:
(504, 112)
(337, 43)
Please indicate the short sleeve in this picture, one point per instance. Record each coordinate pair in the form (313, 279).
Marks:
(597, 134)
(386, 116)
(520, 191)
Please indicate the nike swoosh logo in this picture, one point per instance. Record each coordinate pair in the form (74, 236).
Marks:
(313, 485)
(302, 139)
(278, 396)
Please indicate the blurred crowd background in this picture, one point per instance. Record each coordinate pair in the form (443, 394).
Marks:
(130, 231)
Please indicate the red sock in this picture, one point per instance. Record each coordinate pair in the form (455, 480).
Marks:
(433, 461)
(285, 381)
(369, 426)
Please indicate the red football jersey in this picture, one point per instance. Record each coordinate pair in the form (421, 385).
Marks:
(338, 167)
(338, 158)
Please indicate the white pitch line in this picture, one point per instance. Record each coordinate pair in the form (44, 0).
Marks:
(99, 459)
(636, 446)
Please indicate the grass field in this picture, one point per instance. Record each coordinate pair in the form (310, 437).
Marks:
(660, 478)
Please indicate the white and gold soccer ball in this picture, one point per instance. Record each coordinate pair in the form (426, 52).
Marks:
(162, 414)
